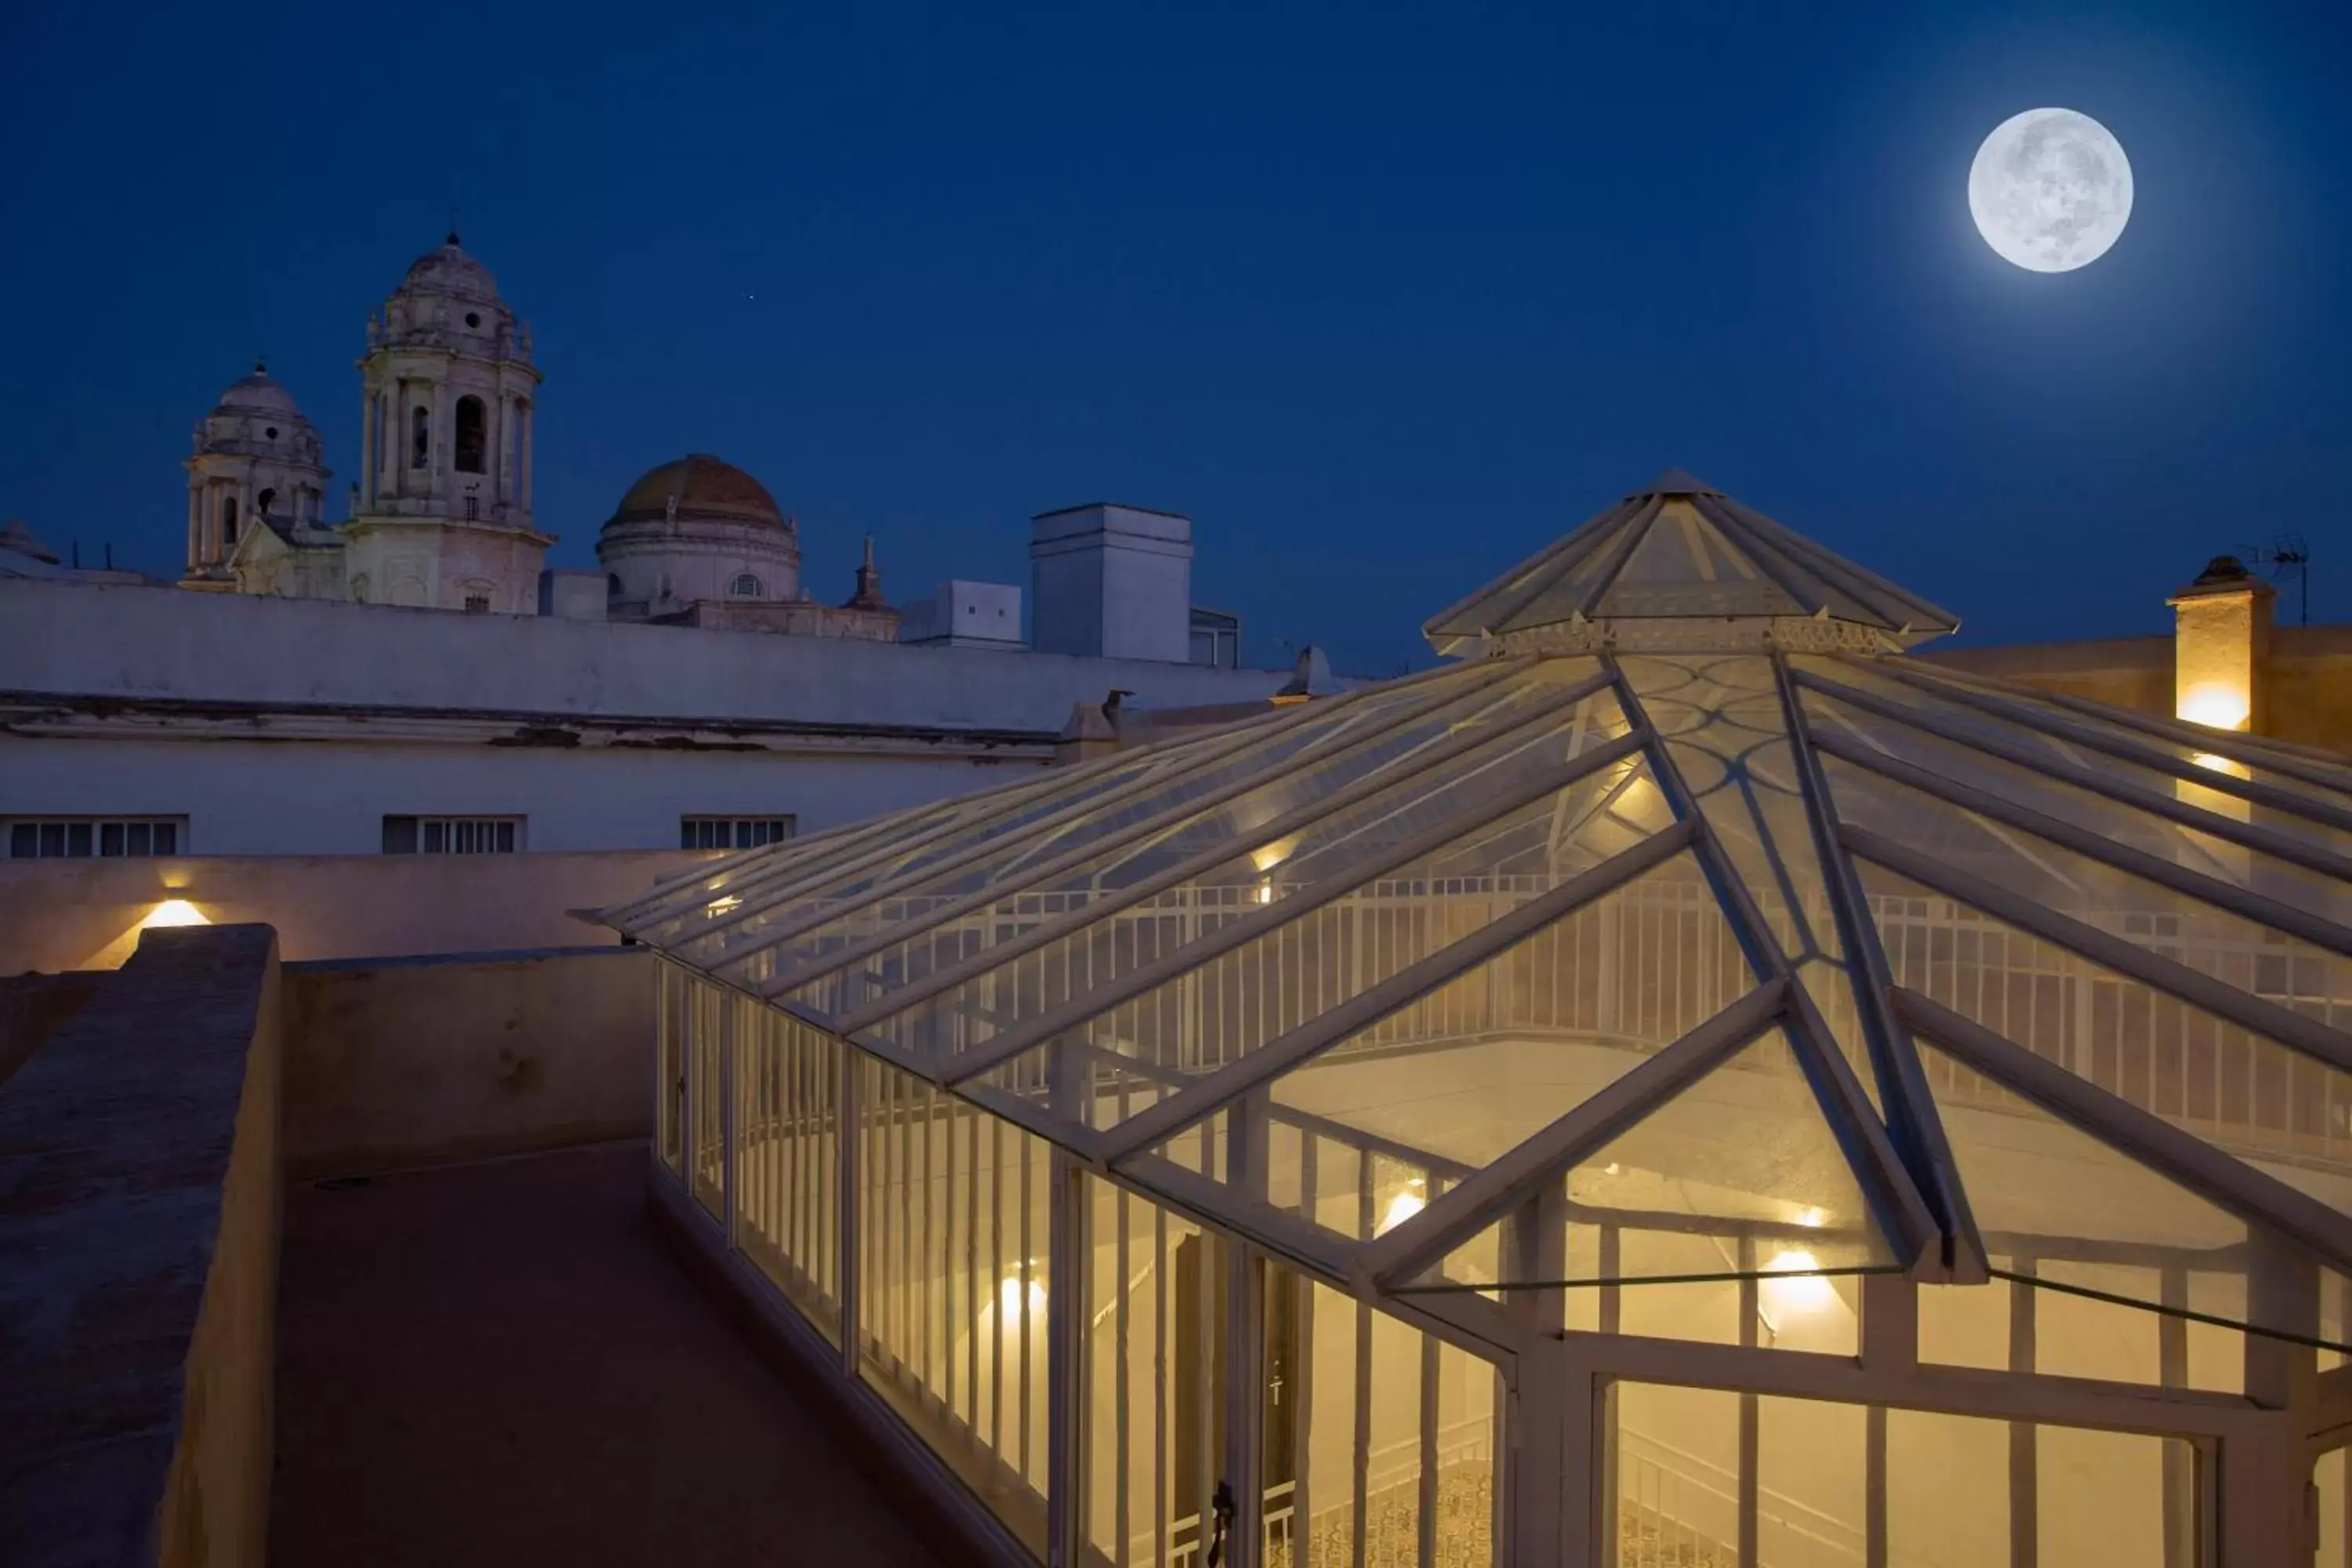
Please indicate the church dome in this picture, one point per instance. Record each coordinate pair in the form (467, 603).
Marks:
(257, 394)
(449, 270)
(704, 488)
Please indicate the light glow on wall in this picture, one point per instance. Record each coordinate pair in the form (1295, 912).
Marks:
(1802, 1290)
(174, 912)
(1402, 1208)
(2216, 705)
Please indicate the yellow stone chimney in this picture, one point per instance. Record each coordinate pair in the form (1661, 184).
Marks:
(2222, 646)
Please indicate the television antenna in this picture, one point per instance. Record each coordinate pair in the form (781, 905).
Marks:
(2288, 557)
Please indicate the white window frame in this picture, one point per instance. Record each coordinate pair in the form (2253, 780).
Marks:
(468, 833)
(95, 830)
(739, 832)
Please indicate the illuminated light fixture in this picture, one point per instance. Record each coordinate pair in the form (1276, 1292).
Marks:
(1802, 1290)
(1612, 1169)
(174, 912)
(1812, 1218)
(2213, 763)
(1266, 857)
(1402, 1207)
(1008, 1297)
(1263, 892)
(2217, 707)
(721, 906)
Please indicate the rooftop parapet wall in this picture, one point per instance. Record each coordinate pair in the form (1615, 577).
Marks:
(139, 1214)
(60, 915)
(155, 644)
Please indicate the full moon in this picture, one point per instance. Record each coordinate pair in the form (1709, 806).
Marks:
(2051, 190)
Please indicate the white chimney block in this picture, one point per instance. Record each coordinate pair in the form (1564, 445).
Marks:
(1112, 582)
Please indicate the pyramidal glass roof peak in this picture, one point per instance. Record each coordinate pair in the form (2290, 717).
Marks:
(1679, 563)
(1684, 912)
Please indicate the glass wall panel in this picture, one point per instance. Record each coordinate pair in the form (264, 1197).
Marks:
(1060, 951)
(1157, 1337)
(954, 1240)
(705, 1023)
(670, 990)
(787, 1157)
(1380, 1442)
(1700, 1472)
(2007, 1324)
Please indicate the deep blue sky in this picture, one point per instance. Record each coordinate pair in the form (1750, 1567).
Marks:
(1384, 299)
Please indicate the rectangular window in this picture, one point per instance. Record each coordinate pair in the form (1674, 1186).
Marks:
(477, 604)
(83, 837)
(452, 834)
(733, 832)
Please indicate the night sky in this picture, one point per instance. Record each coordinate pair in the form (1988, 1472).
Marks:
(1384, 299)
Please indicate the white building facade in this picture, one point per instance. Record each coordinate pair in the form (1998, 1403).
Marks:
(221, 725)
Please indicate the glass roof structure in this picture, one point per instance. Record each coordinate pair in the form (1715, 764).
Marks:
(1685, 909)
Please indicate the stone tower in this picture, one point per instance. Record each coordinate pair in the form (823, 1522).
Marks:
(255, 461)
(442, 516)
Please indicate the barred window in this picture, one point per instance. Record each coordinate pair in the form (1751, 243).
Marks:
(733, 832)
(452, 834)
(81, 838)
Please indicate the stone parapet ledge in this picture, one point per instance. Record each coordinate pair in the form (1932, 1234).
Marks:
(139, 1226)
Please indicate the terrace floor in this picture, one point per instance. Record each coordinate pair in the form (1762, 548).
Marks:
(503, 1364)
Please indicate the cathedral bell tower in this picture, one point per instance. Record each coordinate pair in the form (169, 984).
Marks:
(255, 462)
(442, 517)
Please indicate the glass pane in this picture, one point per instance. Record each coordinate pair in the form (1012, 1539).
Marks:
(1952, 1491)
(2077, 1213)
(2059, 714)
(2237, 952)
(1274, 866)
(1232, 1005)
(1489, 1060)
(2126, 824)
(1738, 1175)
(1377, 1438)
(1155, 1383)
(1725, 732)
(953, 1215)
(1685, 566)
(1056, 824)
(787, 1157)
(2263, 1103)
(1345, 945)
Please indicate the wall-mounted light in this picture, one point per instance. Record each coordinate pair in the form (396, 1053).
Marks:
(1798, 1289)
(174, 912)
(1403, 1206)
(2219, 705)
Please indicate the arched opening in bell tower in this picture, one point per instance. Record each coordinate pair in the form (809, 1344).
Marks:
(472, 435)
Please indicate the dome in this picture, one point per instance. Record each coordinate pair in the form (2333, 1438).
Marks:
(448, 269)
(704, 488)
(257, 394)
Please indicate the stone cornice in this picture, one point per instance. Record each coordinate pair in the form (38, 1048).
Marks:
(43, 715)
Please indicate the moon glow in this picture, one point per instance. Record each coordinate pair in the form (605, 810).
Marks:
(2050, 190)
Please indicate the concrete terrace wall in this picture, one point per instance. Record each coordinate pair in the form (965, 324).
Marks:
(139, 1219)
(59, 915)
(393, 1062)
(162, 643)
